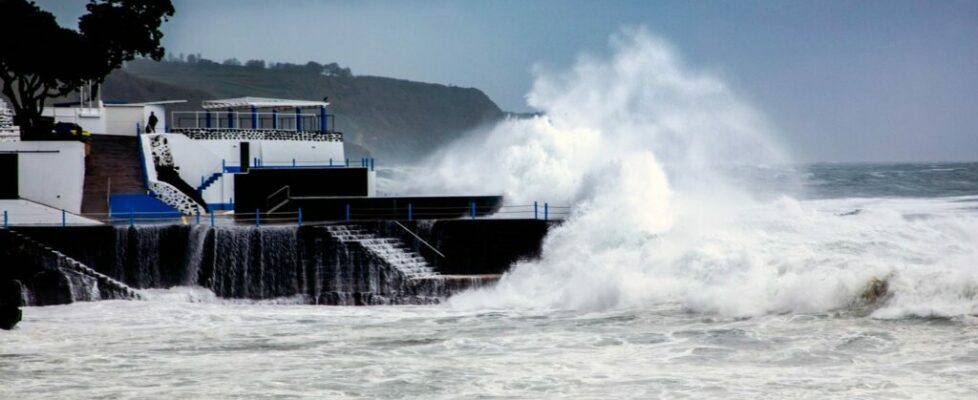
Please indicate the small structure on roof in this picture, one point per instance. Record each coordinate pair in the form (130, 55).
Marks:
(249, 102)
(256, 114)
(110, 117)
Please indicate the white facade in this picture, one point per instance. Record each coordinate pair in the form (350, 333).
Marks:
(50, 172)
(202, 158)
(277, 152)
(112, 119)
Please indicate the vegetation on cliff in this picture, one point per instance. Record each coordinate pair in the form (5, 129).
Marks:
(394, 119)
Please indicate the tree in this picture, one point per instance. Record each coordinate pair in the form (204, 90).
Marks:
(313, 67)
(256, 64)
(234, 62)
(52, 61)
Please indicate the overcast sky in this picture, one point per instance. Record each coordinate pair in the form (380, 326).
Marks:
(840, 80)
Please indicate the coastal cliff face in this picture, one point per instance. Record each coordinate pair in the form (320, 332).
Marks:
(392, 119)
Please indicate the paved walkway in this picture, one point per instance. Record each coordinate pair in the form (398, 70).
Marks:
(26, 212)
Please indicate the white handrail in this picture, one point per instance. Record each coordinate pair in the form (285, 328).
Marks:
(420, 239)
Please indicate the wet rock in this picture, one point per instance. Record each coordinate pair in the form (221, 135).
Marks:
(51, 288)
(10, 302)
(875, 290)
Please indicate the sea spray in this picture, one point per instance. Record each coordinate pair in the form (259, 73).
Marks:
(642, 148)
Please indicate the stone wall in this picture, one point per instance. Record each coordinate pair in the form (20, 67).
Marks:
(167, 193)
(8, 131)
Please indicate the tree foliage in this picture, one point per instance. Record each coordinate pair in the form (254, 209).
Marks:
(40, 59)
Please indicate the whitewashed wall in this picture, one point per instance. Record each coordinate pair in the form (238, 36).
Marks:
(121, 120)
(112, 119)
(90, 119)
(53, 179)
(195, 161)
(278, 152)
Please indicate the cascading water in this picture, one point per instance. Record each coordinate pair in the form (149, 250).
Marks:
(648, 152)
(318, 265)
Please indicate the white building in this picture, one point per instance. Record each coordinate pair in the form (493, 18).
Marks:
(121, 119)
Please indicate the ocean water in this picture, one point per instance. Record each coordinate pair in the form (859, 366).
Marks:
(698, 261)
(184, 342)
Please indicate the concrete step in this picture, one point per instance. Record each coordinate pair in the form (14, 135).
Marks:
(112, 165)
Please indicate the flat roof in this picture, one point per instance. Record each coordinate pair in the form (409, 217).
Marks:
(118, 103)
(259, 102)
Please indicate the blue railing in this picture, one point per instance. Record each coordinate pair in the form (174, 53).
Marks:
(283, 121)
(138, 209)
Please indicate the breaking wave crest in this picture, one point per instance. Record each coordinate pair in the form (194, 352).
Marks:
(637, 144)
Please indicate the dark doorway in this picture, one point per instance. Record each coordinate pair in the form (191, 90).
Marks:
(8, 176)
(245, 156)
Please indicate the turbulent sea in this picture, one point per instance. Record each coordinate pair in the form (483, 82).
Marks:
(822, 341)
(674, 275)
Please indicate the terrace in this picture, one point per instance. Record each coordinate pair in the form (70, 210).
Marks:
(257, 118)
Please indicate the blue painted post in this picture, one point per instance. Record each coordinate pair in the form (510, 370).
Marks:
(254, 117)
(212, 217)
(322, 119)
(298, 119)
(274, 119)
(300, 216)
(197, 222)
(293, 163)
(138, 131)
(546, 211)
(348, 163)
(5, 221)
(535, 210)
(224, 165)
(371, 164)
(132, 218)
(257, 218)
(207, 120)
(472, 209)
(330, 162)
(410, 212)
(64, 218)
(230, 118)
(347, 212)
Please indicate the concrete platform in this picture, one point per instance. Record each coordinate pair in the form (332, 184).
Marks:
(22, 212)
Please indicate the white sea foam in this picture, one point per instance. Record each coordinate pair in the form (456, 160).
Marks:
(636, 143)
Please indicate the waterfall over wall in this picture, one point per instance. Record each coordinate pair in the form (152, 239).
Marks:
(384, 264)
(246, 262)
(45, 276)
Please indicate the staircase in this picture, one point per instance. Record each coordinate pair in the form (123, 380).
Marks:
(83, 282)
(391, 250)
(208, 182)
(112, 164)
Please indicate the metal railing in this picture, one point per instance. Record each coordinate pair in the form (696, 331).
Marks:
(537, 211)
(281, 121)
(279, 198)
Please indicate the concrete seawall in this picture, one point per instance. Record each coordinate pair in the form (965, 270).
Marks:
(365, 263)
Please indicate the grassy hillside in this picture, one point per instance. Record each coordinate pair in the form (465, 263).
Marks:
(392, 118)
